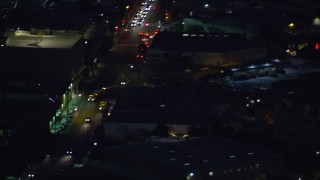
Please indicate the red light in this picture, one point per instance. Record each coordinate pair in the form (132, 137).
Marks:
(167, 14)
(317, 46)
(116, 28)
(140, 56)
(156, 31)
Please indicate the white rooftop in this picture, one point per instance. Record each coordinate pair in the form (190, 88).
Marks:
(58, 39)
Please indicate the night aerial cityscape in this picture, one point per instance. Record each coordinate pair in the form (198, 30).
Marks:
(160, 89)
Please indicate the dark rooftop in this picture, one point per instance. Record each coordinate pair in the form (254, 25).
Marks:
(216, 152)
(161, 104)
(202, 42)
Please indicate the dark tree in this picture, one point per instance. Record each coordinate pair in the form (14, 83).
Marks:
(161, 130)
(198, 130)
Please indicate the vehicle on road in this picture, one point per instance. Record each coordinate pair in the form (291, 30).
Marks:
(102, 105)
(92, 97)
(87, 120)
(69, 151)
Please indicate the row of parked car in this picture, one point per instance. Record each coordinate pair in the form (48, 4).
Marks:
(64, 124)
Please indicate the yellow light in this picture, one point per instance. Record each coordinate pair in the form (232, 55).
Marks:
(291, 25)
(127, 7)
(167, 17)
(173, 135)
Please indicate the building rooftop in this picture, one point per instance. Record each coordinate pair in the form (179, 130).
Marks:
(49, 14)
(58, 39)
(302, 90)
(201, 42)
(196, 152)
(160, 104)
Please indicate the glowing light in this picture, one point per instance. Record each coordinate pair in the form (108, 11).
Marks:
(276, 60)
(51, 99)
(316, 21)
(252, 66)
(266, 64)
(234, 69)
(291, 25)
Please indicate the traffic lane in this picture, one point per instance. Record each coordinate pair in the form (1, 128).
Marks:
(49, 167)
(79, 126)
(76, 139)
(129, 37)
(114, 65)
(87, 108)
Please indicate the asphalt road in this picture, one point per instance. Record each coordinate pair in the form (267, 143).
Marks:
(111, 72)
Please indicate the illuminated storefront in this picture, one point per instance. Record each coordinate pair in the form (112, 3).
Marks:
(271, 68)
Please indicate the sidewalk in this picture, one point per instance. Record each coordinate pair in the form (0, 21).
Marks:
(59, 125)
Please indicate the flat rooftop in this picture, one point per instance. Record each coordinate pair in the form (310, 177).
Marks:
(211, 151)
(202, 42)
(58, 39)
(267, 81)
(160, 104)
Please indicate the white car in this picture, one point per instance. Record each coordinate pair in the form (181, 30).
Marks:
(69, 151)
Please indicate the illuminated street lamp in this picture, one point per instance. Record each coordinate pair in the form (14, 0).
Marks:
(291, 25)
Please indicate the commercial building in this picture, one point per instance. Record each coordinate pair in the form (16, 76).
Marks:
(269, 68)
(142, 109)
(297, 113)
(224, 24)
(53, 52)
(24, 106)
(195, 158)
(205, 49)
